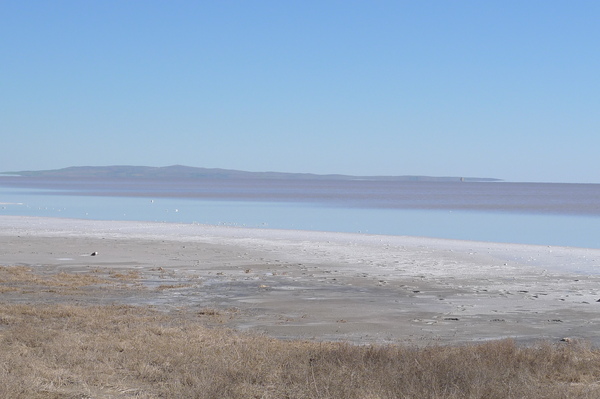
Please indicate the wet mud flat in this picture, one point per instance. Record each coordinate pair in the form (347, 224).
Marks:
(318, 286)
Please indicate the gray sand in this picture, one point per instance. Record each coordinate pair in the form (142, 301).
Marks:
(325, 286)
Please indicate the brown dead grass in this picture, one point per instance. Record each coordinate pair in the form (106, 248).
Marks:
(130, 275)
(21, 275)
(13, 278)
(77, 351)
(65, 351)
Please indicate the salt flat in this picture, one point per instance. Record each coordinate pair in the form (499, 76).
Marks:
(319, 285)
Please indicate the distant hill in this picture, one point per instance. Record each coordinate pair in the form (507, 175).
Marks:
(188, 172)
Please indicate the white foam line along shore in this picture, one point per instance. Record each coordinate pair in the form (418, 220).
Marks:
(355, 287)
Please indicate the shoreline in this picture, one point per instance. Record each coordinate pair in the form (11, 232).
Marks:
(328, 286)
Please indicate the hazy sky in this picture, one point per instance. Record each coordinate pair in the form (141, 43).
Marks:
(506, 89)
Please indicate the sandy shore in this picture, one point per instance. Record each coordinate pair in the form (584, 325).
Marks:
(324, 286)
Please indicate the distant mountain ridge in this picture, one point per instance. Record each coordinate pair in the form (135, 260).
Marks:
(189, 172)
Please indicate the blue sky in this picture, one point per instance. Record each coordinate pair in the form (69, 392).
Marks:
(506, 89)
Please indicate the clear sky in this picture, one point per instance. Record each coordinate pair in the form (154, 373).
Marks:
(506, 89)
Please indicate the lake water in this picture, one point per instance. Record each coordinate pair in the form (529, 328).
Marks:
(528, 213)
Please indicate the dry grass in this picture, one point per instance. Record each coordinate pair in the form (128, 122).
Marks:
(77, 351)
(130, 275)
(64, 351)
(11, 277)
